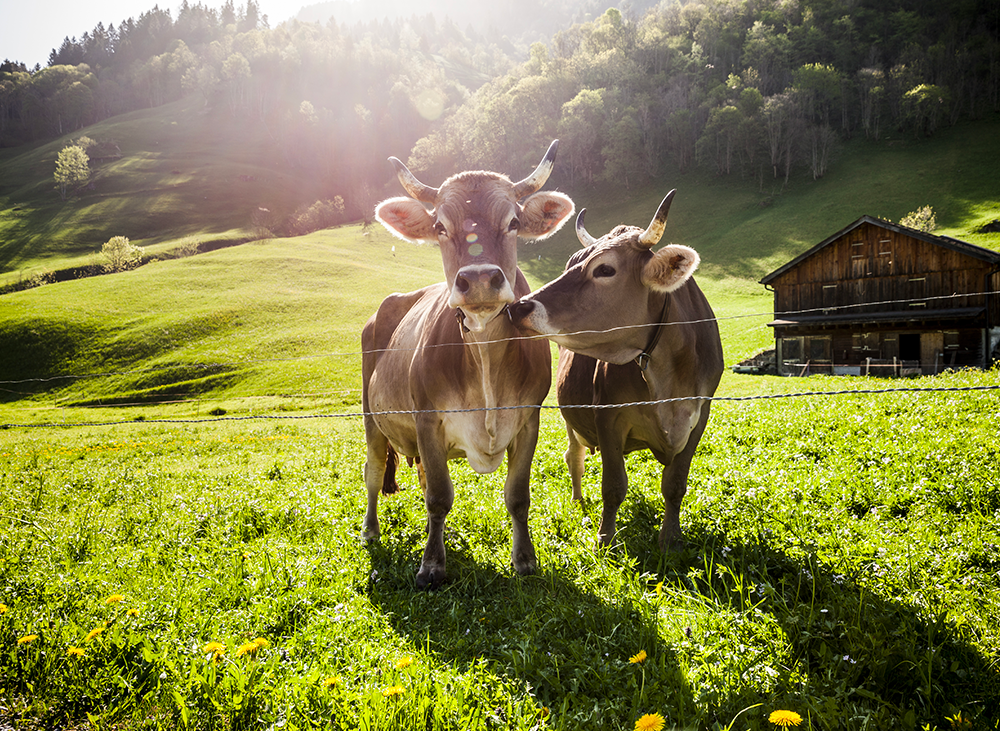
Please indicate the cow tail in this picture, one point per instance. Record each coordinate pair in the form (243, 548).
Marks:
(389, 484)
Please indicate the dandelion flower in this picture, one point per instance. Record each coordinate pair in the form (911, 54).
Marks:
(75, 651)
(393, 690)
(785, 718)
(216, 649)
(638, 657)
(261, 643)
(26, 639)
(249, 648)
(114, 599)
(650, 722)
(3, 608)
(93, 633)
(404, 662)
(659, 589)
(330, 682)
(133, 612)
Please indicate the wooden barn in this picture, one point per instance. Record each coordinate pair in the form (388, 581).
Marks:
(882, 299)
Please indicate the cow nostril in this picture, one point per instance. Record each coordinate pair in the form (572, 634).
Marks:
(497, 281)
(462, 284)
(521, 309)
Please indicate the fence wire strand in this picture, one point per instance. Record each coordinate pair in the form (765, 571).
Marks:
(414, 412)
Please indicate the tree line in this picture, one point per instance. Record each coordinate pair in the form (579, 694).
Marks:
(757, 88)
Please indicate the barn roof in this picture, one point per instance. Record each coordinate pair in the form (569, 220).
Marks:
(977, 252)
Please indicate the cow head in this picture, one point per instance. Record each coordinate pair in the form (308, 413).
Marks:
(476, 218)
(609, 291)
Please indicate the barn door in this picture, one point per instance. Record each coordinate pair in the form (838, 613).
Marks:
(931, 352)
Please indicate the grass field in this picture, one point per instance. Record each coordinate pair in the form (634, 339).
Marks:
(843, 563)
(181, 491)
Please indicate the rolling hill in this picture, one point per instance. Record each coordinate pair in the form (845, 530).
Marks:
(279, 317)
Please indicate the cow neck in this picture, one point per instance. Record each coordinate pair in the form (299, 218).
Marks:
(460, 316)
(642, 360)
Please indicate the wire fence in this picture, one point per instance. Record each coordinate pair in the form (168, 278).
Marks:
(522, 407)
(229, 365)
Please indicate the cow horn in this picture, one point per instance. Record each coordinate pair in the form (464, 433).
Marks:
(654, 231)
(581, 233)
(536, 180)
(416, 189)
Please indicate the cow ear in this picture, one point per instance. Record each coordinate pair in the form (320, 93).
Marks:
(670, 268)
(544, 213)
(407, 219)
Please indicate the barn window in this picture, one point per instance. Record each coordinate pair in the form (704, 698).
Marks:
(951, 340)
(820, 348)
(791, 350)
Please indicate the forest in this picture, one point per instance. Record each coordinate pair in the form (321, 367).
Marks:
(762, 89)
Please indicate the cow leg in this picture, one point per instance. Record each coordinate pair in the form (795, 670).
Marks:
(375, 467)
(614, 485)
(439, 496)
(673, 485)
(517, 495)
(575, 455)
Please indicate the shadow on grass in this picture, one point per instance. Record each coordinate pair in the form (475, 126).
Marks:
(571, 649)
(853, 654)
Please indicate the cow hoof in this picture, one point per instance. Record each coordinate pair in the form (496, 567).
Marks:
(430, 577)
(526, 567)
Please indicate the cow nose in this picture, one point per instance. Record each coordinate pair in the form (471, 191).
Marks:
(488, 277)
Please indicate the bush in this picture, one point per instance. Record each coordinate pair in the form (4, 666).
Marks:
(921, 219)
(321, 214)
(121, 254)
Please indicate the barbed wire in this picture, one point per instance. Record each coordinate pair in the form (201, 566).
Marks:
(620, 328)
(414, 412)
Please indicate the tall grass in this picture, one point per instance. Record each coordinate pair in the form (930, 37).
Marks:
(842, 563)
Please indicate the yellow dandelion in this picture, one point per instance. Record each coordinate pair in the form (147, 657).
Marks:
(26, 639)
(75, 651)
(3, 608)
(330, 682)
(650, 722)
(249, 648)
(261, 643)
(543, 712)
(393, 690)
(93, 633)
(659, 589)
(216, 649)
(638, 657)
(133, 612)
(404, 662)
(114, 599)
(785, 718)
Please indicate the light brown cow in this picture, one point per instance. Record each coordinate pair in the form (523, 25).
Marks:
(632, 326)
(451, 347)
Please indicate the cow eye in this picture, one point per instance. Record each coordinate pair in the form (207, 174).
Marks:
(604, 270)
(514, 225)
(439, 229)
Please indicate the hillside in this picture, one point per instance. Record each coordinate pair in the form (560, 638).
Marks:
(186, 176)
(278, 317)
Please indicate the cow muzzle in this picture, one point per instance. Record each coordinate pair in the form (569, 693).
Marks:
(481, 291)
(530, 315)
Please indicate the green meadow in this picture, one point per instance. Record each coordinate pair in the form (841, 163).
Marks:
(181, 485)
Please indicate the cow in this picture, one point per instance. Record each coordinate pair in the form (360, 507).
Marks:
(632, 326)
(444, 366)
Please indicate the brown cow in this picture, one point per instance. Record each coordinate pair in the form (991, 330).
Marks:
(632, 326)
(432, 354)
